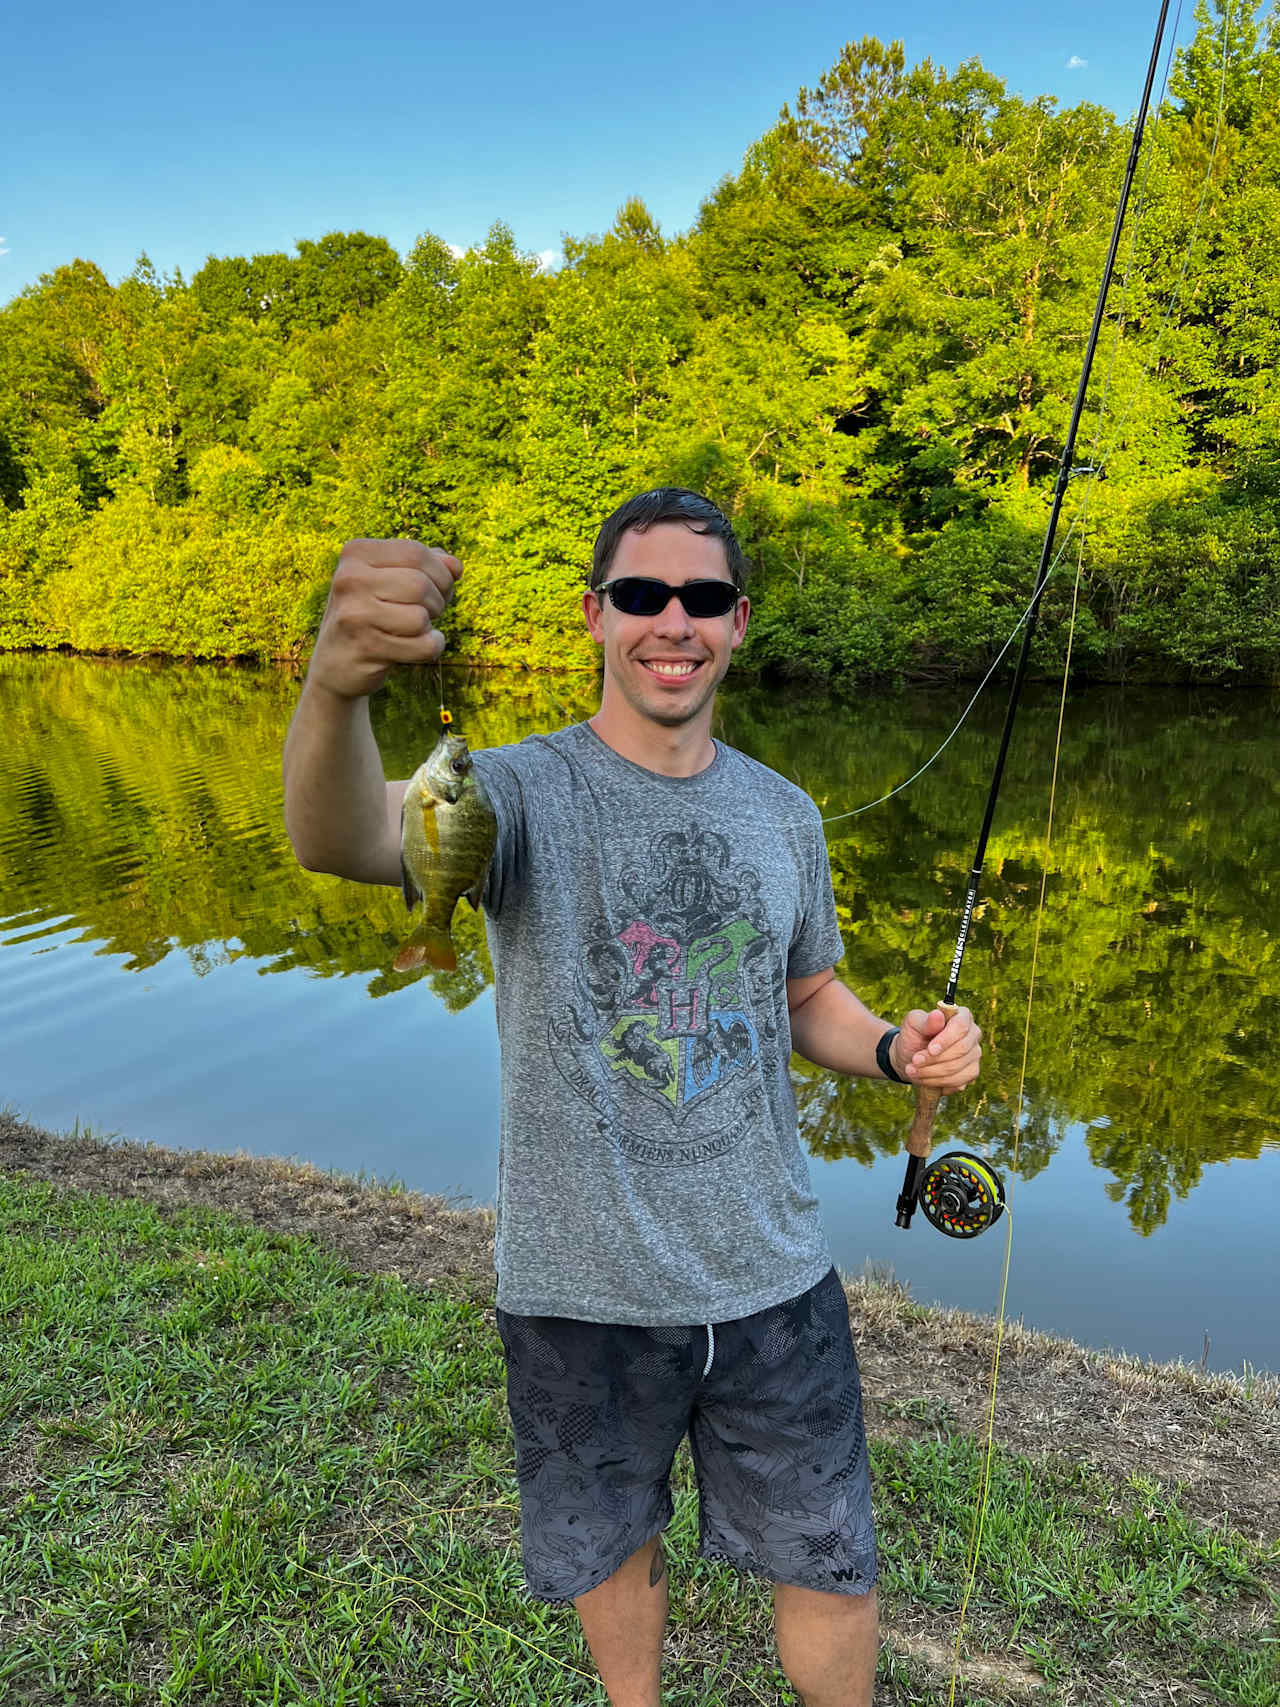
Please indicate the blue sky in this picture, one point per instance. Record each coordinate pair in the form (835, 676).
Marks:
(235, 128)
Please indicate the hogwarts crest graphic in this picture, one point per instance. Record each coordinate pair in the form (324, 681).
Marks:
(663, 1036)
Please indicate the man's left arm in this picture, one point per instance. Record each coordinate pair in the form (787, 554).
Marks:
(832, 1028)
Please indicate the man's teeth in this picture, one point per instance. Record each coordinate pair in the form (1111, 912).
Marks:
(671, 669)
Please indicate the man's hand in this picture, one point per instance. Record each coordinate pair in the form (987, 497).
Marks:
(938, 1050)
(383, 603)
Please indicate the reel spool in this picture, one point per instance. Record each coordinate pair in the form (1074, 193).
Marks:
(961, 1195)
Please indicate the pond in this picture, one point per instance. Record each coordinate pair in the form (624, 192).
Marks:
(169, 974)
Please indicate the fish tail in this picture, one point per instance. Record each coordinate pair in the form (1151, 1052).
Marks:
(427, 948)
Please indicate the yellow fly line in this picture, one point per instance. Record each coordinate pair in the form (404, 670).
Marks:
(1078, 526)
(988, 1445)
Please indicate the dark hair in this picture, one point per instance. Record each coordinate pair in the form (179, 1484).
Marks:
(667, 504)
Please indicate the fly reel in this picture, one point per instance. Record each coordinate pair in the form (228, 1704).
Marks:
(961, 1195)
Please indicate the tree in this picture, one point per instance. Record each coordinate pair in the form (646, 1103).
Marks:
(347, 272)
(975, 322)
(592, 396)
(234, 287)
(142, 366)
(840, 126)
(52, 339)
(1231, 63)
(460, 343)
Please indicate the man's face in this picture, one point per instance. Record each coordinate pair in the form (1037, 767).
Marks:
(667, 667)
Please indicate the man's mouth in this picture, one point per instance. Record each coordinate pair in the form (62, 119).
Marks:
(671, 671)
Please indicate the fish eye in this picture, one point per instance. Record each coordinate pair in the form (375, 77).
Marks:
(459, 765)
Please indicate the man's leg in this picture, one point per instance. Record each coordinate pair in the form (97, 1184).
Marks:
(827, 1644)
(623, 1619)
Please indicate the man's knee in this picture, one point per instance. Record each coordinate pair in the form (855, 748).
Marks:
(623, 1619)
(827, 1644)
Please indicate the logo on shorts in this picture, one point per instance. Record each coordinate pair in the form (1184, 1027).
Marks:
(665, 1017)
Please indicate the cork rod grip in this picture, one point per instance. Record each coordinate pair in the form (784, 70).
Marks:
(920, 1137)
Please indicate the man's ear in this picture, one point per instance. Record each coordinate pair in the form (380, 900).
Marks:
(741, 612)
(593, 612)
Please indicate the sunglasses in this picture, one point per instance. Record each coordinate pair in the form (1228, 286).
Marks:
(636, 595)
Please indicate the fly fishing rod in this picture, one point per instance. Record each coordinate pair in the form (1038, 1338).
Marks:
(961, 1194)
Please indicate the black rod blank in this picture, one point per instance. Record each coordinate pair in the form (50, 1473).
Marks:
(910, 1186)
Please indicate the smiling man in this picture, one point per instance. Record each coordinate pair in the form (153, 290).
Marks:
(667, 605)
(663, 932)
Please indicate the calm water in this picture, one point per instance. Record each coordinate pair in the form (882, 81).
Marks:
(168, 973)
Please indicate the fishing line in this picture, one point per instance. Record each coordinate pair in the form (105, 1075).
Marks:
(988, 1447)
(1013, 635)
(919, 1141)
(446, 717)
(1097, 463)
(1121, 318)
(1174, 299)
(988, 1450)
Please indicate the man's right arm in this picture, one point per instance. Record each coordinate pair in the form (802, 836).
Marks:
(342, 816)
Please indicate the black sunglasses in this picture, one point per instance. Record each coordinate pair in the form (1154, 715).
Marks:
(636, 595)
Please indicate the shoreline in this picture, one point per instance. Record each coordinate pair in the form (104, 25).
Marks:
(1213, 1438)
(295, 665)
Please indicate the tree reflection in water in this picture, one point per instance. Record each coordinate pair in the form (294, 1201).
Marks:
(142, 804)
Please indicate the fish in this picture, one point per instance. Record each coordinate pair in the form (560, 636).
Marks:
(447, 837)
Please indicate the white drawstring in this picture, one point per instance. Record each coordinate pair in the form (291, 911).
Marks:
(711, 1347)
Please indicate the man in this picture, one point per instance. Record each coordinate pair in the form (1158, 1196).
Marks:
(664, 935)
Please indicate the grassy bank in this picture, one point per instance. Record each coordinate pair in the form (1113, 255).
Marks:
(255, 1450)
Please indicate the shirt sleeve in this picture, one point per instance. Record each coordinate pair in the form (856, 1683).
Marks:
(501, 782)
(817, 942)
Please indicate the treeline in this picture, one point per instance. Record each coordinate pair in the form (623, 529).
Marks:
(866, 349)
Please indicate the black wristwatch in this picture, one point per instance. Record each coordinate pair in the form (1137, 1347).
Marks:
(883, 1061)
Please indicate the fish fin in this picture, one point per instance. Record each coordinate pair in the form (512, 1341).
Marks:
(476, 891)
(427, 947)
(408, 888)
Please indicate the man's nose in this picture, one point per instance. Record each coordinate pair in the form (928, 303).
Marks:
(673, 619)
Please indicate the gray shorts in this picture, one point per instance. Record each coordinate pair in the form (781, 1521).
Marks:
(773, 1408)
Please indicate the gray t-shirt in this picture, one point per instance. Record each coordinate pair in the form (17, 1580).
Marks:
(642, 929)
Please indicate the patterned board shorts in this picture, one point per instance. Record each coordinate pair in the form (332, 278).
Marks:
(773, 1408)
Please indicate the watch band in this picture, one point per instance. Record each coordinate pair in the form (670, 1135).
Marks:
(883, 1060)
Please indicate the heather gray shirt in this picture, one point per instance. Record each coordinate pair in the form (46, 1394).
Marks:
(642, 929)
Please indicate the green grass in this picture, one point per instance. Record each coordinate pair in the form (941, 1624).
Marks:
(234, 1471)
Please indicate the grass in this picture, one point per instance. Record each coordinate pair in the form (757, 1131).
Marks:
(236, 1470)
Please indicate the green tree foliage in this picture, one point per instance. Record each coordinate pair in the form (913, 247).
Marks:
(343, 273)
(866, 349)
(187, 581)
(228, 287)
(34, 539)
(591, 400)
(462, 341)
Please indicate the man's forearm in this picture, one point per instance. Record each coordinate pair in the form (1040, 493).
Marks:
(335, 794)
(832, 1028)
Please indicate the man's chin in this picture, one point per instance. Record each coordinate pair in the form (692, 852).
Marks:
(669, 717)
(673, 714)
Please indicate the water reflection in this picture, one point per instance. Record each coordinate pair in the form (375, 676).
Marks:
(141, 808)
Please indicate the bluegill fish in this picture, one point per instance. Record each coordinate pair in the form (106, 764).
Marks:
(447, 833)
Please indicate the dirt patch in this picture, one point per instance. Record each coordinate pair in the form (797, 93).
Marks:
(377, 1229)
(991, 1672)
(1214, 1437)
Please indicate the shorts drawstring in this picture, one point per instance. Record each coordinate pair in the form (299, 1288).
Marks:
(711, 1348)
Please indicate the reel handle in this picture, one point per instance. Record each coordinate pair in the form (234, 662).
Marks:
(919, 1140)
(920, 1137)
